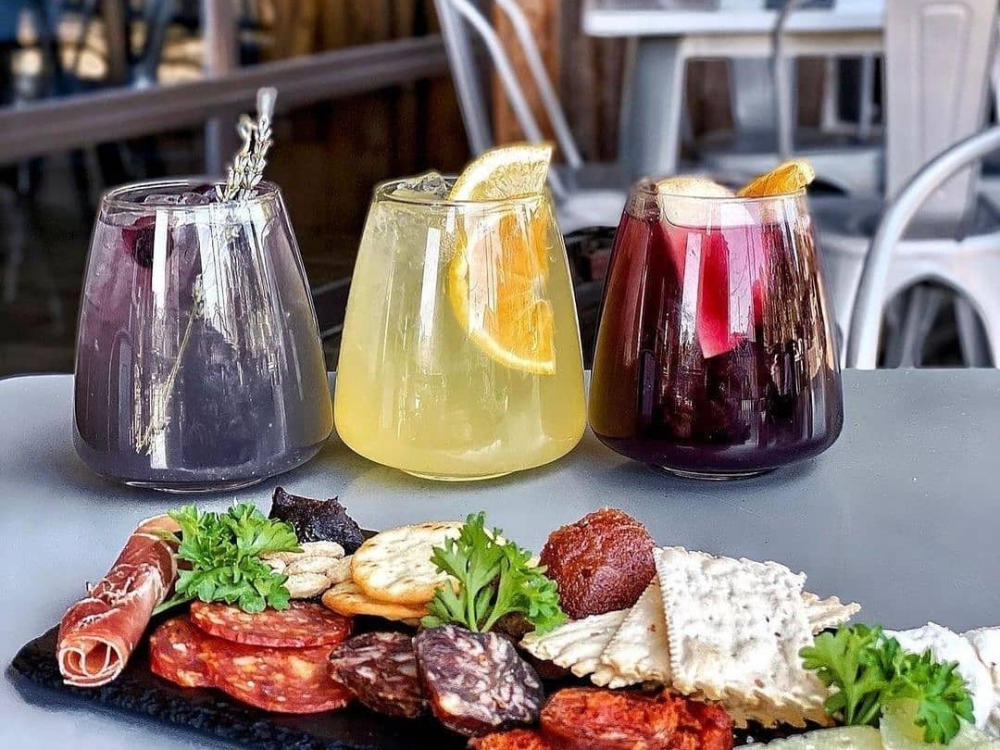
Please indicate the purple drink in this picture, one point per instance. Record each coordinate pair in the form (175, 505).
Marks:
(714, 356)
(199, 365)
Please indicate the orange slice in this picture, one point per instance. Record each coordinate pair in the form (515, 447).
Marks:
(789, 177)
(498, 275)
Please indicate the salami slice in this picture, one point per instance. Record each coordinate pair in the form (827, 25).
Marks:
(596, 719)
(177, 652)
(303, 624)
(475, 682)
(515, 739)
(98, 634)
(285, 680)
(380, 669)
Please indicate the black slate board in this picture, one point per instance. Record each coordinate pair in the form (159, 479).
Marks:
(139, 691)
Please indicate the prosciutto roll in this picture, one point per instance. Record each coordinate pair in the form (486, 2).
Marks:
(98, 634)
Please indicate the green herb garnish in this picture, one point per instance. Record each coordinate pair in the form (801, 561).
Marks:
(224, 551)
(869, 669)
(495, 578)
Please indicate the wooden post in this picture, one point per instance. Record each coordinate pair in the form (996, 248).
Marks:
(543, 16)
(221, 56)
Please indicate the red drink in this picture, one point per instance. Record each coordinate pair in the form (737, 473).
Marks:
(714, 354)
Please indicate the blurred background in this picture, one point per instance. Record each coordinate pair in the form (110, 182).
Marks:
(95, 93)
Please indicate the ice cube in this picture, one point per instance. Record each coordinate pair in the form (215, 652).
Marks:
(187, 198)
(427, 186)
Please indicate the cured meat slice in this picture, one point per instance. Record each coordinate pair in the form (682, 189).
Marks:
(303, 624)
(380, 669)
(595, 719)
(515, 739)
(177, 652)
(475, 682)
(98, 634)
(285, 680)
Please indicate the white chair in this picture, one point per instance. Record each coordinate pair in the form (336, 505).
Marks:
(586, 194)
(970, 265)
(766, 134)
(937, 55)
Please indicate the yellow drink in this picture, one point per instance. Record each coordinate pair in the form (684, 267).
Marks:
(460, 357)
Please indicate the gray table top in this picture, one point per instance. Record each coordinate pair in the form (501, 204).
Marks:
(900, 515)
(643, 18)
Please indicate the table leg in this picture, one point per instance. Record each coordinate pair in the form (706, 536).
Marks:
(649, 141)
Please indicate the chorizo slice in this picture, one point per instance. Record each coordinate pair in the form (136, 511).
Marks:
(380, 670)
(285, 680)
(596, 719)
(476, 683)
(302, 625)
(515, 739)
(177, 653)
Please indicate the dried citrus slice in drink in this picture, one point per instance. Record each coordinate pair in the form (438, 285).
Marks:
(789, 177)
(497, 277)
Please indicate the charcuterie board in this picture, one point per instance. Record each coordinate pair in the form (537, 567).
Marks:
(137, 691)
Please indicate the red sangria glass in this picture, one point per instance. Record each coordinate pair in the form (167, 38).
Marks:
(715, 357)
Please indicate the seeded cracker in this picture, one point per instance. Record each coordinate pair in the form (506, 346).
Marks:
(640, 651)
(578, 644)
(735, 628)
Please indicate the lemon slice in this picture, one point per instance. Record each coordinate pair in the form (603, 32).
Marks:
(505, 172)
(789, 177)
(497, 277)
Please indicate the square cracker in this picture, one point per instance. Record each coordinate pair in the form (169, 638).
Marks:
(827, 613)
(639, 651)
(735, 628)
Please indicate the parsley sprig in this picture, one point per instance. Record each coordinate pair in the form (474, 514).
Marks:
(495, 578)
(869, 669)
(223, 551)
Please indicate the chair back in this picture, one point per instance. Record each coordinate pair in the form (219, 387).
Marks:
(937, 59)
(458, 18)
(866, 321)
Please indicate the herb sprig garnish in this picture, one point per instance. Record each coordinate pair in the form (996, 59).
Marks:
(495, 577)
(223, 550)
(868, 669)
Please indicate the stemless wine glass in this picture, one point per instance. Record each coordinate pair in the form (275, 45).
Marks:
(715, 357)
(460, 356)
(198, 364)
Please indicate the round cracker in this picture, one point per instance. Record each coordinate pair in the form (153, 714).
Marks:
(347, 599)
(395, 565)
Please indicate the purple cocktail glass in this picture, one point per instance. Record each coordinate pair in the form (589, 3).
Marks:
(199, 365)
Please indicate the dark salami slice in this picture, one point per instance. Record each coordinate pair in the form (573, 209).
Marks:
(302, 625)
(286, 680)
(596, 719)
(177, 653)
(475, 682)
(380, 669)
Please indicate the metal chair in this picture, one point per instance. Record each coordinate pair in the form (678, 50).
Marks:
(586, 194)
(937, 54)
(970, 265)
(766, 134)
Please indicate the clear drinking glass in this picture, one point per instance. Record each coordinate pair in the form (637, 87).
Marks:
(198, 364)
(714, 355)
(460, 356)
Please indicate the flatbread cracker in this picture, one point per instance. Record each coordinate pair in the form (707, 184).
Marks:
(735, 628)
(576, 645)
(395, 565)
(639, 651)
(827, 613)
(347, 599)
